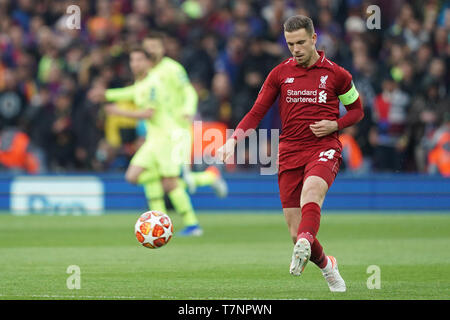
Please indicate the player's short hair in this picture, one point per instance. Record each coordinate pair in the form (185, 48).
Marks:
(298, 22)
(139, 49)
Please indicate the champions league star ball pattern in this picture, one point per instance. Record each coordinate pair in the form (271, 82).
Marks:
(153, 229)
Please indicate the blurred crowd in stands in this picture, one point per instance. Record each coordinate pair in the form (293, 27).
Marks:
(49, 123)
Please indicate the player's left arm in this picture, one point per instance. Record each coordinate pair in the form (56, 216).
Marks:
(349, 97)
(142, 114)
(146, 110)
(354, 113)
(119, 94)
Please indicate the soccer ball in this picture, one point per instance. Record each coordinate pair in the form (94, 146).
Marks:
(153, 229)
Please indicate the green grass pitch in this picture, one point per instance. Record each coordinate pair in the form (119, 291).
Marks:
(240, 256)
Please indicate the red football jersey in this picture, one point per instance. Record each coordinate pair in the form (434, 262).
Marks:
(306, 95)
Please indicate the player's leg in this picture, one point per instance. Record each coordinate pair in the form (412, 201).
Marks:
(290, 184)
(302, 251)
(211, 177)
(154, 193)
(188, 179)
(318, 179)
(185, 147)
(311, 200)
(151, 183)
(293, 217)
(174, 155)
(312, 197)
(169, 166)
(143, 171)
(182, 204)
(320, 173)
(133, 172)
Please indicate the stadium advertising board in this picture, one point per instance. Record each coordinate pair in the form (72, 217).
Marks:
(82, 195)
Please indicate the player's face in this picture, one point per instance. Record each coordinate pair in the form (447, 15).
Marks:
(139, 63)
(154, 47)
(301, 45)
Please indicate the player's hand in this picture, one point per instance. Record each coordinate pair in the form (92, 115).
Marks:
(323, 128)
(226, 151)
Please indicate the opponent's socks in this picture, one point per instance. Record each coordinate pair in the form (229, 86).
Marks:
(182, 205)
(154, 193)
(203, 178)
(309, 225)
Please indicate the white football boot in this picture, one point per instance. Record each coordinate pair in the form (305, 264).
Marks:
(300, 256)
(332, 276)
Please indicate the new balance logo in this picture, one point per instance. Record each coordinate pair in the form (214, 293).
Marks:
(289, 80)
(322, 97)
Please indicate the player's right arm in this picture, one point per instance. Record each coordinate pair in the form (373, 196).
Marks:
(266, 97)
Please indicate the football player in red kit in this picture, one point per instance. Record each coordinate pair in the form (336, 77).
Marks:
(309, 87)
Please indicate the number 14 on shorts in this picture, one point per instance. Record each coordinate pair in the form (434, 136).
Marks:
(327, 155)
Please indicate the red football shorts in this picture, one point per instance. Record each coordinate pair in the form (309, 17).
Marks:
(323, 163)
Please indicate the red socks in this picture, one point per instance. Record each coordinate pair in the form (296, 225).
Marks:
(308, 228)
(309, 225)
